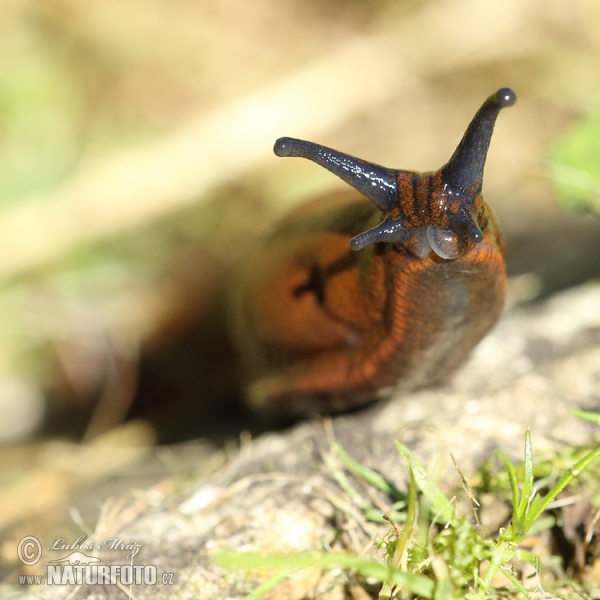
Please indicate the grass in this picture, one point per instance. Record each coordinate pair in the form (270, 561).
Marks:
(438, 553)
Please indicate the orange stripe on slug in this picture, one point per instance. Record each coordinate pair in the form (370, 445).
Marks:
(322, 328)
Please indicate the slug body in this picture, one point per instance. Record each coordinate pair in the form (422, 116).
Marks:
(352, 295)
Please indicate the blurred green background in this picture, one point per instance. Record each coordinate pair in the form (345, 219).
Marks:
(136, 169)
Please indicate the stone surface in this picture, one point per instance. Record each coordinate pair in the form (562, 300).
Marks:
(277, 495)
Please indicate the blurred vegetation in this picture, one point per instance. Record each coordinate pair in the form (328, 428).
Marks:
(574, 165)
(136, 169)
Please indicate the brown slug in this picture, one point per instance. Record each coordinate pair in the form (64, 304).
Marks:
(351, 296)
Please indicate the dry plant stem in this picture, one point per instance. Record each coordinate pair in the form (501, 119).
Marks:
(401, 552)
(394, 525)
(474, 503)
(590, 531)
(400, 557)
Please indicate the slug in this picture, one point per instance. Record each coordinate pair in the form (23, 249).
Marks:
(354, 296)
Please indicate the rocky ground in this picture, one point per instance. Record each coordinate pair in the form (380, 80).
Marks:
(275, 494)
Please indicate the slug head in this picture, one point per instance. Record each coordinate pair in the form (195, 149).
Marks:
(439, 212)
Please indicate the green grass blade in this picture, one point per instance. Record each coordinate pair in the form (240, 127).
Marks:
(512, 477)
(561, 485)
(400, 554)
(510, 576)
(523, 508)
(376, 516)
(440, 503)
(593, 417)
(270, 584)
(415, 583)
(343, 482)
(369, 475)
(444, 590)
(529, 557)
